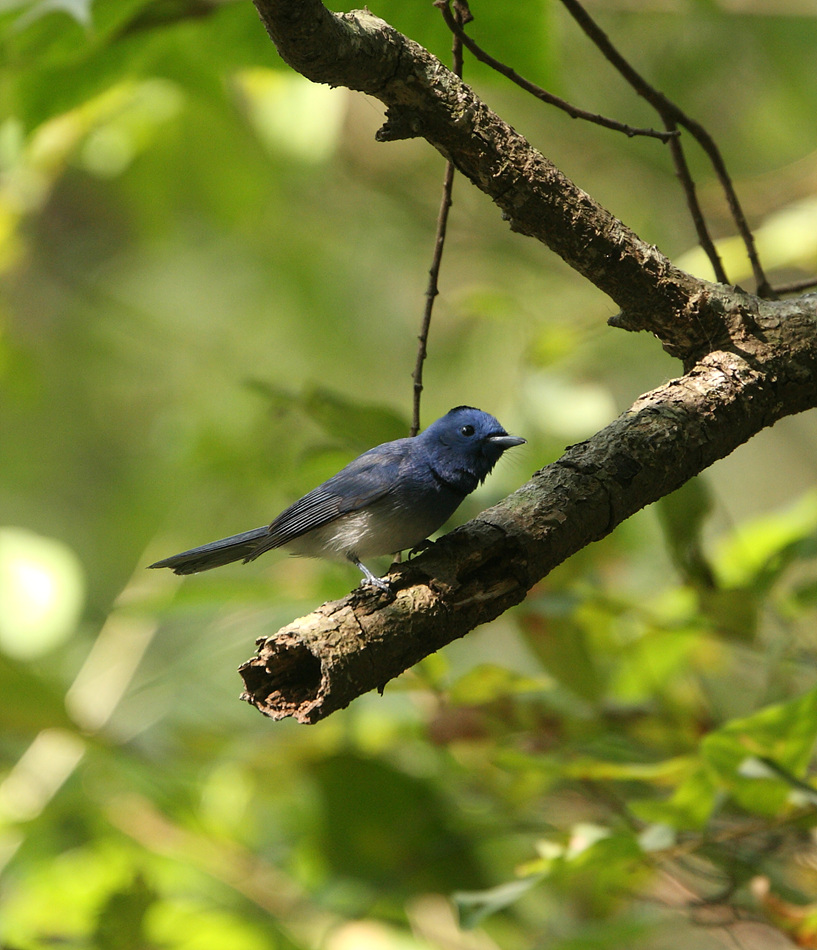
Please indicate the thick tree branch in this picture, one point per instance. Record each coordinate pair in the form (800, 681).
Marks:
(749, 362)
(321, 662)
(425, 99)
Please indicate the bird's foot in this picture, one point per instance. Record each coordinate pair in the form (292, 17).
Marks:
(372, 580)
(377, 582)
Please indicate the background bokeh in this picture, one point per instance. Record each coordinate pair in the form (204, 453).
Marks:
(212, 282)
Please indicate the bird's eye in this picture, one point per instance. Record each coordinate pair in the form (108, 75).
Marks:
(467, 430)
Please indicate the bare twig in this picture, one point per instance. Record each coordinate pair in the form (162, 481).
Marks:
(673, 116)
(431, 293)
(796, 286)
(461, 15)
(573, 111)
(687, 183)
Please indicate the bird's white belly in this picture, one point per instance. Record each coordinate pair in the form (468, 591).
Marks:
(366, 533)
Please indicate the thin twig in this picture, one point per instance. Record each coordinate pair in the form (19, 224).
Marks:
(573, 111)
(431, 293)
(796, 286)
(737, 832)
(439, 243)
(688, 184)
(671, 134)
(673, 115)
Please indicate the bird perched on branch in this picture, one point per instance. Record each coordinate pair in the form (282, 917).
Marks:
(387, 500)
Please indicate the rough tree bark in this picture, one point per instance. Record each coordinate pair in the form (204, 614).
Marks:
(748, 362)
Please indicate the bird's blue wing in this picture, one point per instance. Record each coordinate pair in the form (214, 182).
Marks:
(362, 482)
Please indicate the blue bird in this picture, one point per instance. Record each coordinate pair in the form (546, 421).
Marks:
(387, 500)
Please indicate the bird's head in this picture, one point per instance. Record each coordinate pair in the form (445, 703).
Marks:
(466, 443)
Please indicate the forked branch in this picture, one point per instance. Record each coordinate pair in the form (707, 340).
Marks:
(424, 99)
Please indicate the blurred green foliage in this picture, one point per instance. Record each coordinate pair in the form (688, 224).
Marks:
(212, 279)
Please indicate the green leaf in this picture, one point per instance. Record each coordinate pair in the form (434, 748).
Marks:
(689, 807)
(605, 935)
(784, 733)
(356, 424)
(384, 829)
(601, 864)
(55, 64)
(353, 424)
(80, 10)
(561, 645)
(30, 703)
(120, 925)
(488, 681)
(683, 515)
(667, 772)
(758, 552)
(731, 612)
(649, 663)
(474, 906)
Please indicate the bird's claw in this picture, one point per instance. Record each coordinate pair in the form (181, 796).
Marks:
(377, 582)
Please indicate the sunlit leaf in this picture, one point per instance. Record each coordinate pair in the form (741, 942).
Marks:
(669, 772)
(657, 837)
(759, 551)
(127, 39)
(786, 239)
(648, 664)
(292, 114)
(688, 808)
(205, 927)
(474, 906)
(573, 409)
(784, 733)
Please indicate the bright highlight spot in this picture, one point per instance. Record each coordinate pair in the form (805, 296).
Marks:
(291, 114)
(41, 593)
(573, 409)
(787, 238)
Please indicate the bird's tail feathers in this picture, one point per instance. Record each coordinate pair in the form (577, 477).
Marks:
(238, 547)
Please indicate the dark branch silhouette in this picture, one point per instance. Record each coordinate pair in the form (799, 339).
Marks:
(671, 135)
(673, 116)
(796, 286)
(573, 111)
